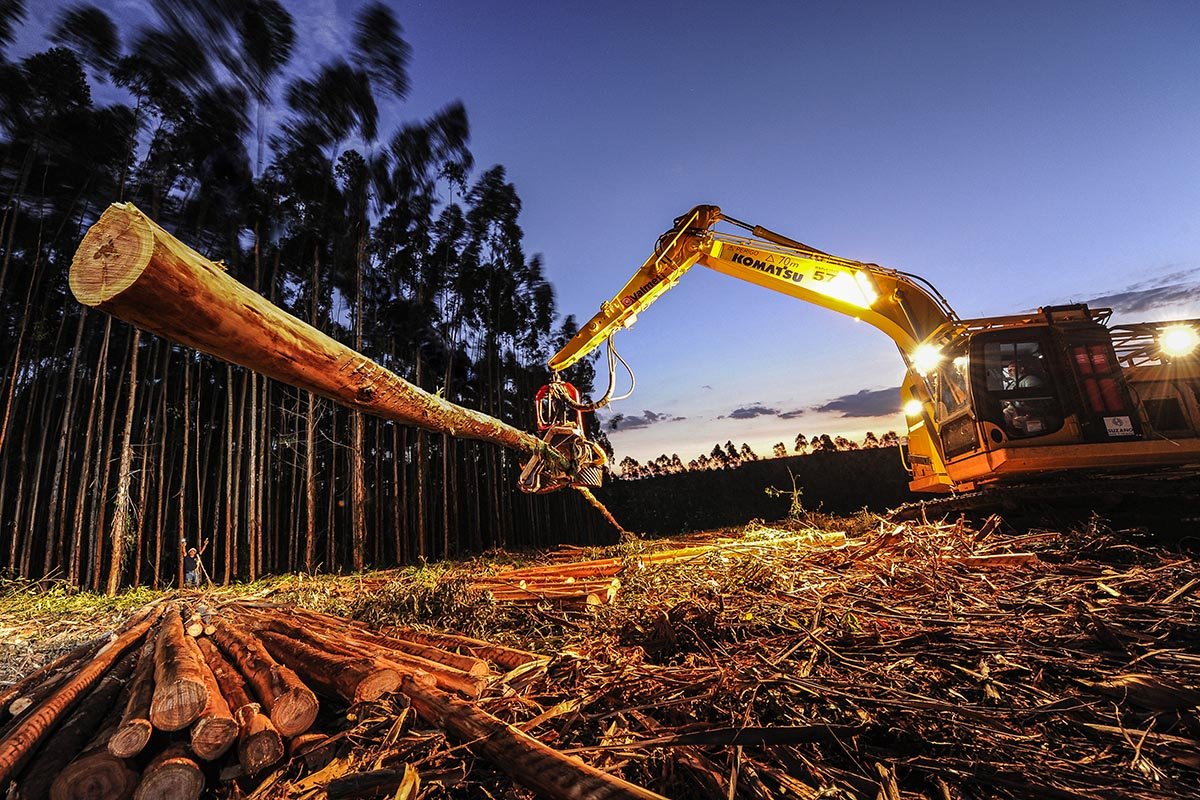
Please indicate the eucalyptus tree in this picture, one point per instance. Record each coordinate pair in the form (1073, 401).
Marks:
(93, 37)
(419, 244)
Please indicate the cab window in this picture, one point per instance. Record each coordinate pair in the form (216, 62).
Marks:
(1019, 382)
(949, 386)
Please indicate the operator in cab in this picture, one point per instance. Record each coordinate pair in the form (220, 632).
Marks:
(1023, 418)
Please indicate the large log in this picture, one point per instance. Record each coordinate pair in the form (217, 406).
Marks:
(468, 664)
(216, 730)
(172, 775)
(180, 692)
(22, 694)
(96, 774)
(533, 764)
(259, 744)
(18, 745)
(133, 729)
(291, 705)
(131, 268)
(73, 735)
(421, 670)
(352, 678)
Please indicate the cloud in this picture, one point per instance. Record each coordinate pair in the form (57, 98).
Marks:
(750, 412)
(791, 414)
(865, 403)
(624, 422)
(1173, 290)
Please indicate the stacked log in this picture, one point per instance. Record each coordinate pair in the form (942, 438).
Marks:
(564, 578)
(175, 699)
(259, 743)
(562, 590)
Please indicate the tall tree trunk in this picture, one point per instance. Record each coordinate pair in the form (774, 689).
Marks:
(85, 469)
(310, 485)
(161, 471)
(230, 502)
(253, 476)
(310, 429)
(121, 520)
(332, 501)
(399, 510)
(419, 467)
(15, 529)
(96, 525)
(54, 526)
(358, 490)
(183, 468)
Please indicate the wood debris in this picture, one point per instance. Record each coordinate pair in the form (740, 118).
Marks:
(894, 661)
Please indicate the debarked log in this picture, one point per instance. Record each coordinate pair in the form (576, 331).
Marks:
(133, 729)
(291, 705)
(131, 268)
(172, 775)
(353, 678)
(421, 670)
(180, 691)
(468, 664)
(533, 764)
(215, 731)
(259, 744)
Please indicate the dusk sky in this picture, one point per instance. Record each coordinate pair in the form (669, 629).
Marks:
(1015, 154)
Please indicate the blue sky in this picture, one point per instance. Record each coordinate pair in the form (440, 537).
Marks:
(1015, 154)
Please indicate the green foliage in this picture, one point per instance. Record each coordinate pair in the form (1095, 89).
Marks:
(26, 600)
(795, 495)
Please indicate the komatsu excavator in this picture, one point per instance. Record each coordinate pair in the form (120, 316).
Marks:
(989, 402)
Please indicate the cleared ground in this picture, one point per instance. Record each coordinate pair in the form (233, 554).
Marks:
(933, 660)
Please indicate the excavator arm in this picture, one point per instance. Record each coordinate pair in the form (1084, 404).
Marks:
(903, 306)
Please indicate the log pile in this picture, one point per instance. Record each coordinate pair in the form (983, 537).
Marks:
(175, 702)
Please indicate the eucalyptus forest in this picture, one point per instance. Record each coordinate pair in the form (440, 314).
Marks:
(118, 450)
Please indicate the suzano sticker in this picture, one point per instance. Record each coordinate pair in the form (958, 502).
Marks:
(1119, 426)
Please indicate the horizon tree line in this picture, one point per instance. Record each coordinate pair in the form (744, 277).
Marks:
(729, 456)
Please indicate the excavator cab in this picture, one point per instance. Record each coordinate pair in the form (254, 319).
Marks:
(1041, 394)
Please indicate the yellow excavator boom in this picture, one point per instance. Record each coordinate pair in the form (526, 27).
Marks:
(894, 302)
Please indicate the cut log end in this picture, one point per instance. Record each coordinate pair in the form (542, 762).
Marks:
(260, 750)
(294, 711)
(171, 781)
(212, 736)
(178, 705)
(130, 738)
(112, 255)
(99, 775)
(376, 684)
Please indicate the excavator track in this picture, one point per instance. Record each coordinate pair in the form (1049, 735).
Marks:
(1166, 502)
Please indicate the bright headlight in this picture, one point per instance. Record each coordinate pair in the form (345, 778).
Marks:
(925, 359)
(913, 409)
(1178, 341)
